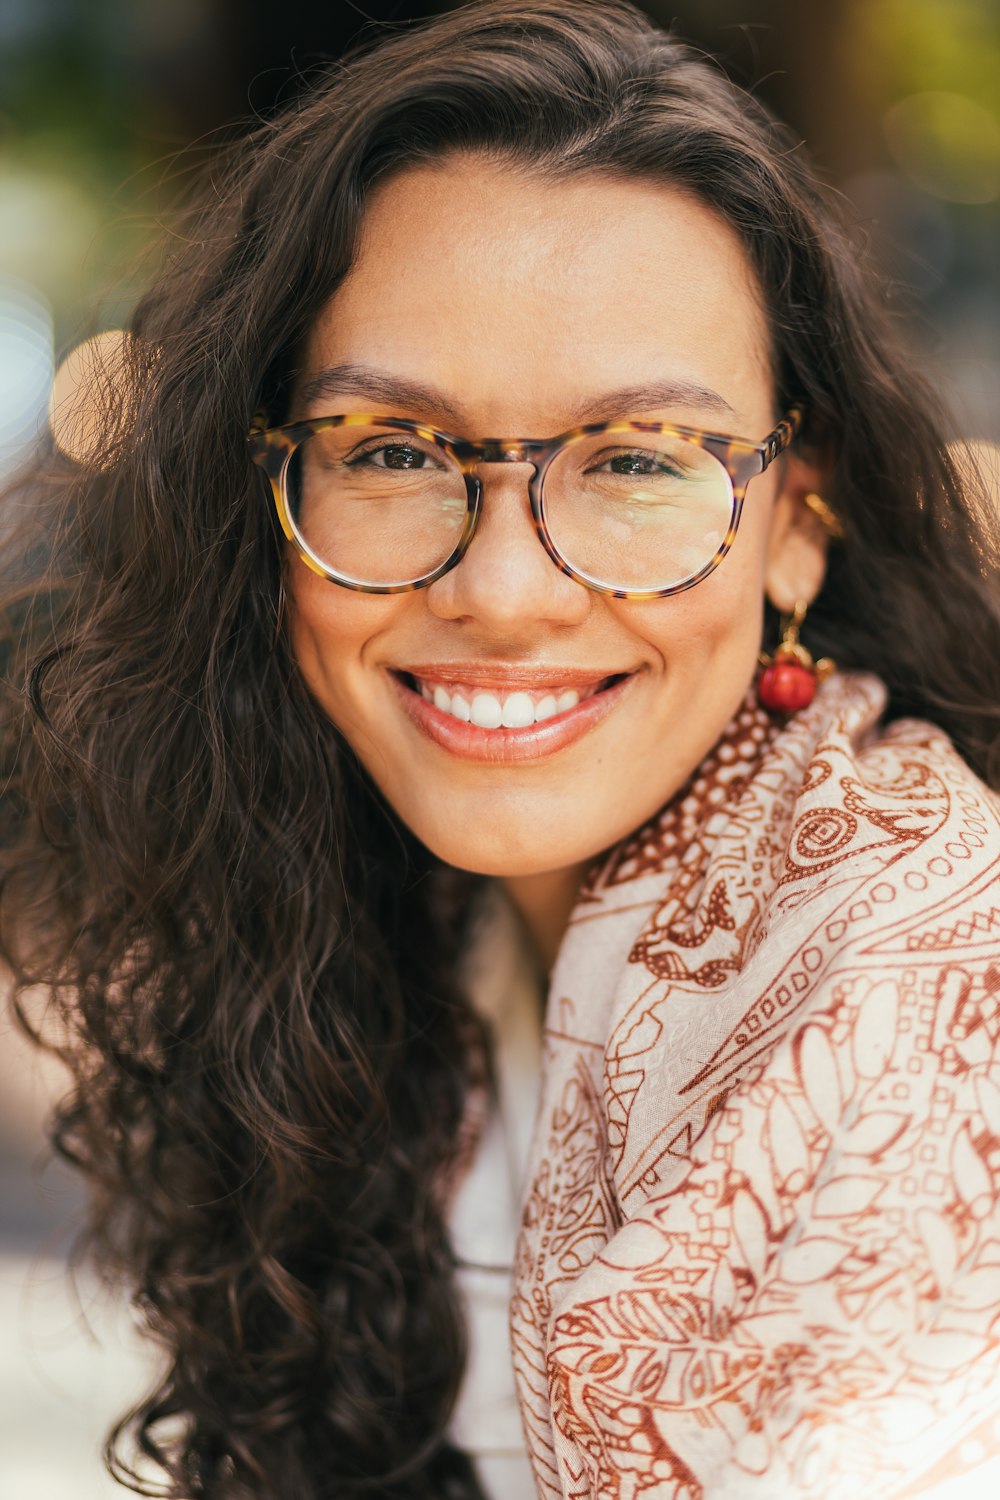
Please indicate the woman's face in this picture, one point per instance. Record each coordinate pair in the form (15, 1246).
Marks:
(487, 303)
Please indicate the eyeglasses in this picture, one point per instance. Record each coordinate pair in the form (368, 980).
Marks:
(637, 510)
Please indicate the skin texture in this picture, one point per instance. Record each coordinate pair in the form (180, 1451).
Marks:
(521, 302)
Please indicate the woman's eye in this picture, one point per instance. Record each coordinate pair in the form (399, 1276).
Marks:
(633, 464)
(637, 464)
(393, 456)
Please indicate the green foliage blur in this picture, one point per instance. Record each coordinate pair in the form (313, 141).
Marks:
(910, 46)
(74, 147)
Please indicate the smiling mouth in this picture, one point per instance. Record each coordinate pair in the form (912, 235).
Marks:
(518, 708)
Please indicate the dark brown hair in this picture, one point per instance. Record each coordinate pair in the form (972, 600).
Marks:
(253, 966)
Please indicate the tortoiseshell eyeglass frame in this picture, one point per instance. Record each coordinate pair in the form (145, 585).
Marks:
(272, 449)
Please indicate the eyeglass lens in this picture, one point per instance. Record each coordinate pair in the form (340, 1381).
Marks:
(635, 511)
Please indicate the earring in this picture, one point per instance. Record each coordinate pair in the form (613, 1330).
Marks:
(789, 678)
(831, 522)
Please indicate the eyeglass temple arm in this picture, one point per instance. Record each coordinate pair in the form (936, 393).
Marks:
(777, 441)
(268, 448)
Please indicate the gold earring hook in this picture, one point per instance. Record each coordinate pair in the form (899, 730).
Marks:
(822, 511)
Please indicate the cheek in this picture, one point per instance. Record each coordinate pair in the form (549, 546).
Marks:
(719, 620)
(706, 643)
(709, 668)
(332, 631)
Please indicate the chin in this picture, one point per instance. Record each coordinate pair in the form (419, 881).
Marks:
(498, 861)
(508, 847)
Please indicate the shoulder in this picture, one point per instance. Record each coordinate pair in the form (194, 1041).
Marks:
(847, 879)
(799, 1084)
(841, 832)
(893, 808)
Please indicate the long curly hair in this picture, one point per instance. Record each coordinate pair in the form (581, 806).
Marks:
(249, 966)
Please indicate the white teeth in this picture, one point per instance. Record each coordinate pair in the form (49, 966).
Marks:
(486, 711)
(518, 711)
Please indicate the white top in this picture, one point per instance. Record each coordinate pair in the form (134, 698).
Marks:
(485, 1215)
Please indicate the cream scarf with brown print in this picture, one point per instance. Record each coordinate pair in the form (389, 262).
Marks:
(760, 1245)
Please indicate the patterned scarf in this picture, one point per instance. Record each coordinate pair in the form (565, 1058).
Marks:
(760, 1246)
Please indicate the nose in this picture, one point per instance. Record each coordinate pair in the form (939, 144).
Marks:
(506, 581)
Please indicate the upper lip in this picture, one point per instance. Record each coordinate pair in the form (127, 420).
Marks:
(508, 675)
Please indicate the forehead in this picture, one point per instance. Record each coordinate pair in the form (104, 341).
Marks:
(523, 294)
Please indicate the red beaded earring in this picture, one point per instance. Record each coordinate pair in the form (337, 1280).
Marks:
(789, 678)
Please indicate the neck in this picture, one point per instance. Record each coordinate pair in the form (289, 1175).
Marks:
(544, 903)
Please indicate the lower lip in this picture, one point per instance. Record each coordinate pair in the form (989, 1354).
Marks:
(509, 746)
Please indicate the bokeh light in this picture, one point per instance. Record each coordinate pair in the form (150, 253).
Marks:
(89, 386)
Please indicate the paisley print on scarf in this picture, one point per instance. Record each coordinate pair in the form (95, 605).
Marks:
(760, 1253)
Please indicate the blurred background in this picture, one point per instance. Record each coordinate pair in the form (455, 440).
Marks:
(898, 100)
(108, 106)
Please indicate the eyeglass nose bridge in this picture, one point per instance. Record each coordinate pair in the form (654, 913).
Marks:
(538, 452)
(502, 451)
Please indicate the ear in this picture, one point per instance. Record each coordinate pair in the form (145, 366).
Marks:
(795, 563)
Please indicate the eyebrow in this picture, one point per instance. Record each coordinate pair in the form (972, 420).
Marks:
(412, 396)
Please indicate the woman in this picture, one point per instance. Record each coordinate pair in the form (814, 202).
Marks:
(570, 393)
